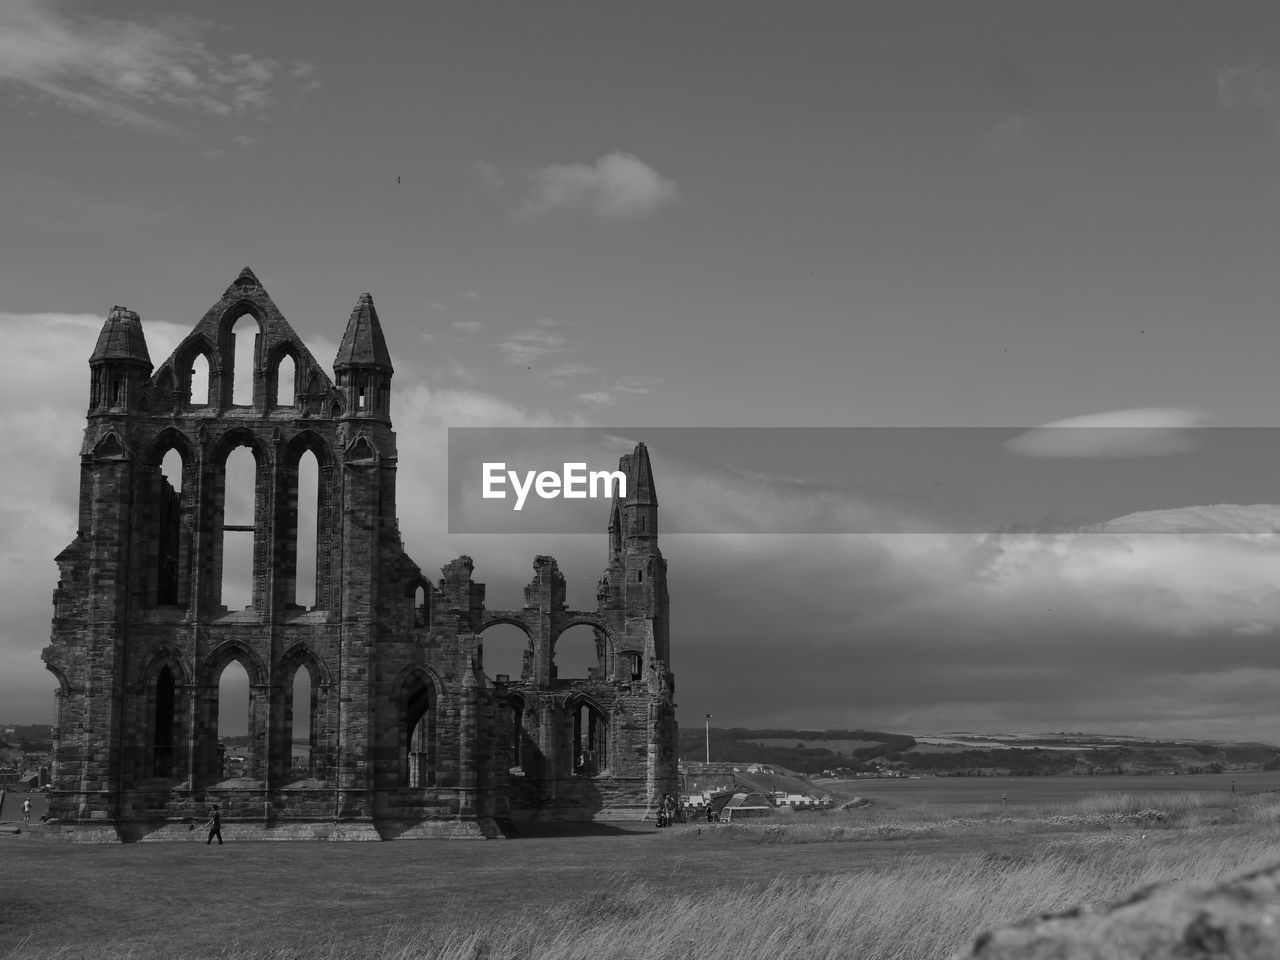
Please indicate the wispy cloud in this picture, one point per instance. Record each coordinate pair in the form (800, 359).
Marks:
(458, 370)
(636, 385)
(1141, 432)
(559, 375)
(131, 73)
(531, 345)
(468, 326)
(596, 398)
(616, 186)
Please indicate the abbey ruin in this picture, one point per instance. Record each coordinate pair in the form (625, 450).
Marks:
(409, 735)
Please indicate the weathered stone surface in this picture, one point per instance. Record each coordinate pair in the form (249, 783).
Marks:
(1237, 919)
(409, 735)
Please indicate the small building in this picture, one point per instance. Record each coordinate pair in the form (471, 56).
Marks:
(727, 807)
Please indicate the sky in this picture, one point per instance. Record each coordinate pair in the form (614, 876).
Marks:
(715, 215)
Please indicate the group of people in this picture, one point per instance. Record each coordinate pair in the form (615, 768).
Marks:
(668, 811)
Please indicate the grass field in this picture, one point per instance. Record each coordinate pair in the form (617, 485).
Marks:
(891, 881)
(1040, 790)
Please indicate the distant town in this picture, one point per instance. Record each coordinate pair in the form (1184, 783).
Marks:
(753, 769)
(25, 755)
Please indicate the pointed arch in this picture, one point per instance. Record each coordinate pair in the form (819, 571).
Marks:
(195, 387)
(418, 591)
(168, 512)
(164, 654)
(210, 767)
(109, 448)
(238, 548)
(226, 651)
(305, 522)
(522, 745)
(162, 711)
(360, 450)
(170, 438)
(302, 719)
(238, 308)
(241, 374)
(419, 713)
(591, 739)
(283, 394)
(238, 436)
(302, 655)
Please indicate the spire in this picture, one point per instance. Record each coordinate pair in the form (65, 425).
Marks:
(639, 508)
(640, 488)
(363, 344)
(121, 340)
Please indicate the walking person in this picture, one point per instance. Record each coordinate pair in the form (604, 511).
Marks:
(26, 812)
(214, 825)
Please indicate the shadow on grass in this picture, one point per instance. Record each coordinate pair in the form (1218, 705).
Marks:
(528, 829)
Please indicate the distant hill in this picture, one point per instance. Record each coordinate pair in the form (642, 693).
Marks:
(805, 751)
(27, 736)
(850, 752)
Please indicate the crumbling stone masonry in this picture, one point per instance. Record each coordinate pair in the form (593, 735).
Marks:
(409, 736)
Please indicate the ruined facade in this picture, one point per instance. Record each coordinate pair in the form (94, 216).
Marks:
(409, 736)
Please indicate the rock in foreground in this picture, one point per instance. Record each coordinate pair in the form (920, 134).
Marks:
(1238, 918)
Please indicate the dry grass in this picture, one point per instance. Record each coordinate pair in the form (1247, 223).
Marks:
(918, 907)
(1104, 811)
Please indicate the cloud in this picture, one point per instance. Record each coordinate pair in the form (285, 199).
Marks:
(458, 370)
(1141, 432)
(636, 385)
(128, 73)
(566, 370)
(530, 345)
(306, 73)
(1258, 520)
(468, 326)
(42, 403)
(915, 632)
(42, 407)
(616, 186)
(595, 398)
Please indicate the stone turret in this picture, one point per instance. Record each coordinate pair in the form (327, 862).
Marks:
(120, 364)
(363, 364)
